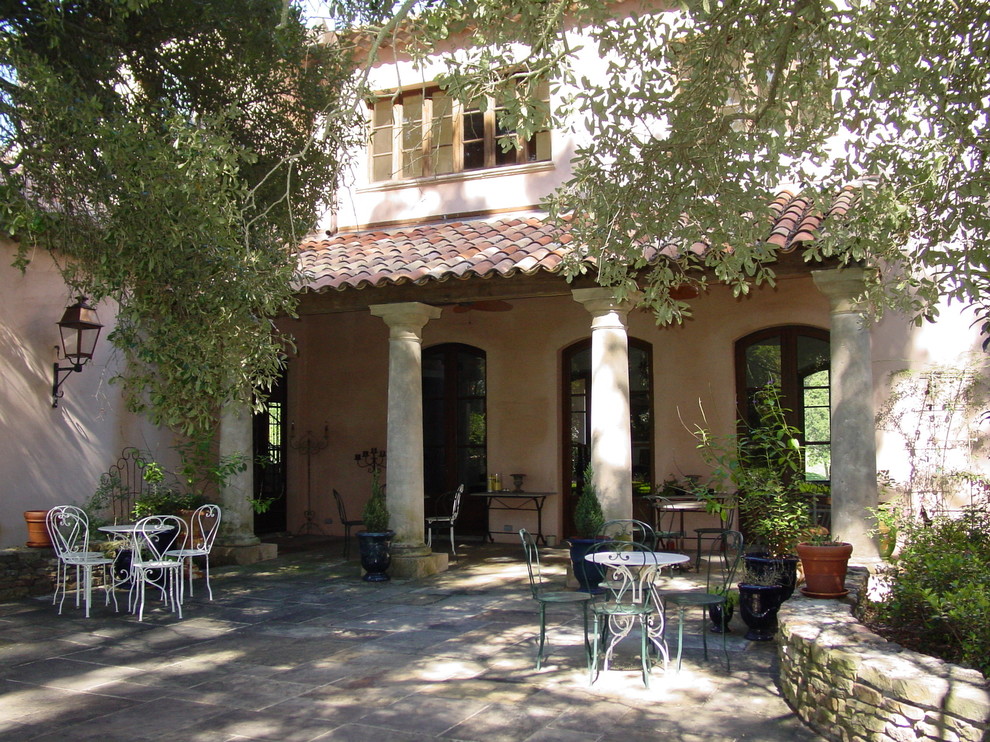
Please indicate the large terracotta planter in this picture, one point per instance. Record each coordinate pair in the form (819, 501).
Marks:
(825, 569)
(36, 529)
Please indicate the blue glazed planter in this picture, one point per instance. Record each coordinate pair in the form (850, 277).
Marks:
(588, 574)
(375, 549)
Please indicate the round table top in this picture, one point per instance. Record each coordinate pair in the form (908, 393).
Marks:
(129, 528)
(637, 558)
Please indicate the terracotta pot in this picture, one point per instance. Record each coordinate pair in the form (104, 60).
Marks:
(824, 569)
(36, 529)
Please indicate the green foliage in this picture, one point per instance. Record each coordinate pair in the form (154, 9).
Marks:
(160, 497)
(939, 600)
(703, 111)
(375, 513)
(763, 465)
(165, 154)
(588, 517)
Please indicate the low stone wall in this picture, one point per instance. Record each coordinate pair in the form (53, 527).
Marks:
(849, 684)
(25, 571)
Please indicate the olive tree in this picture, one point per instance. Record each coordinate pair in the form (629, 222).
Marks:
(170, 154)
(704, 109)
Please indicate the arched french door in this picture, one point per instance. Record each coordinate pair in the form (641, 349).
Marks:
(577, 420)
(797, 359)
(455, 429)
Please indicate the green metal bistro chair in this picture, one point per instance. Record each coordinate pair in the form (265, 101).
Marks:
(712, 533)
(726, 552)
(630, 569)
(628, 530)
(545, 595)
(668, 534)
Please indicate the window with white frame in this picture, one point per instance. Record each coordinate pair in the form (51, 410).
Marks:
(425, 132)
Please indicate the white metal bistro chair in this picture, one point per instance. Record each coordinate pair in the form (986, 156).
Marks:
(445, 521)
(204, 524)
(152, 538)
(68, 528)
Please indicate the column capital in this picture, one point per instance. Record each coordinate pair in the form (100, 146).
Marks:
(602, 303)
(406, 317)
(844, 288)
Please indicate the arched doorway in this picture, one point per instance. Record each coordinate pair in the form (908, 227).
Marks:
(577, 420)
(455, 429)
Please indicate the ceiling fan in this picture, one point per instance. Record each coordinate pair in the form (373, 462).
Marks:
(484, 305)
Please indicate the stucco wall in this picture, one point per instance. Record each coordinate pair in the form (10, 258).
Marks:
(53, 456)
(339, 379)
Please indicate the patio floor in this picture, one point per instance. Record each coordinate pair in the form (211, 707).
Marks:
(299, 648)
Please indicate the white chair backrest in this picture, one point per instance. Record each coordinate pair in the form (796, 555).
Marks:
(205, 524)
(68, 528)
(457, 502)
(156, 534)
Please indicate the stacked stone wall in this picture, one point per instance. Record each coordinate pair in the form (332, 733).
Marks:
(25, 572)
(851, 685)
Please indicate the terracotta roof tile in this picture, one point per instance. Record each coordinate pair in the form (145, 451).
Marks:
(500, 247)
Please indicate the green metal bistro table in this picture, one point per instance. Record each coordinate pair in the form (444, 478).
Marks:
(514, 500)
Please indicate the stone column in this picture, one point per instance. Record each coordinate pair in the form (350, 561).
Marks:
(611, 436)
(854, 447)
(411, 557)
(236, 542)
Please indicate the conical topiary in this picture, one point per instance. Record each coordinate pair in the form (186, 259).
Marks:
(588, 517)
(375, 514)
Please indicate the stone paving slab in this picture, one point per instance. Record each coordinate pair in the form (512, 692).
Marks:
(300, 649)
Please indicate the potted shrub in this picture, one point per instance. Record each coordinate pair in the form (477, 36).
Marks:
(824, 562)
(375, 541)
(715, 612)
(588, 521)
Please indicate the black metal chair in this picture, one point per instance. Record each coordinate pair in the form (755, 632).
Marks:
(545, 595)
(342, 512)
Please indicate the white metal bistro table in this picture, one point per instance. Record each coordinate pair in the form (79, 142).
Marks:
(636, 573)
(124, 531)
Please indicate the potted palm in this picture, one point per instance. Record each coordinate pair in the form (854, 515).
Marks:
(374, 543)
(588, 521)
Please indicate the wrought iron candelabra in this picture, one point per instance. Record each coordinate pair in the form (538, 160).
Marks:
(309, 446)
(373, 460)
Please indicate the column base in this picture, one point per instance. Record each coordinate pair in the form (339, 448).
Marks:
(243, 554)
(414, 564)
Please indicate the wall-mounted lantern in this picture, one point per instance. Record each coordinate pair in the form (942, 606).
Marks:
(79, 329)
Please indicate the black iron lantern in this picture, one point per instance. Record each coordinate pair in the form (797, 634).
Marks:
(79, 329)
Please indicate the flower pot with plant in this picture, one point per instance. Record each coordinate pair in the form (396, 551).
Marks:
(760, 597)
(588, 521)
(375, 541)
(824, 562)
(728, 609)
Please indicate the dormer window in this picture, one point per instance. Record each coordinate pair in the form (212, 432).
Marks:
(423, 133)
